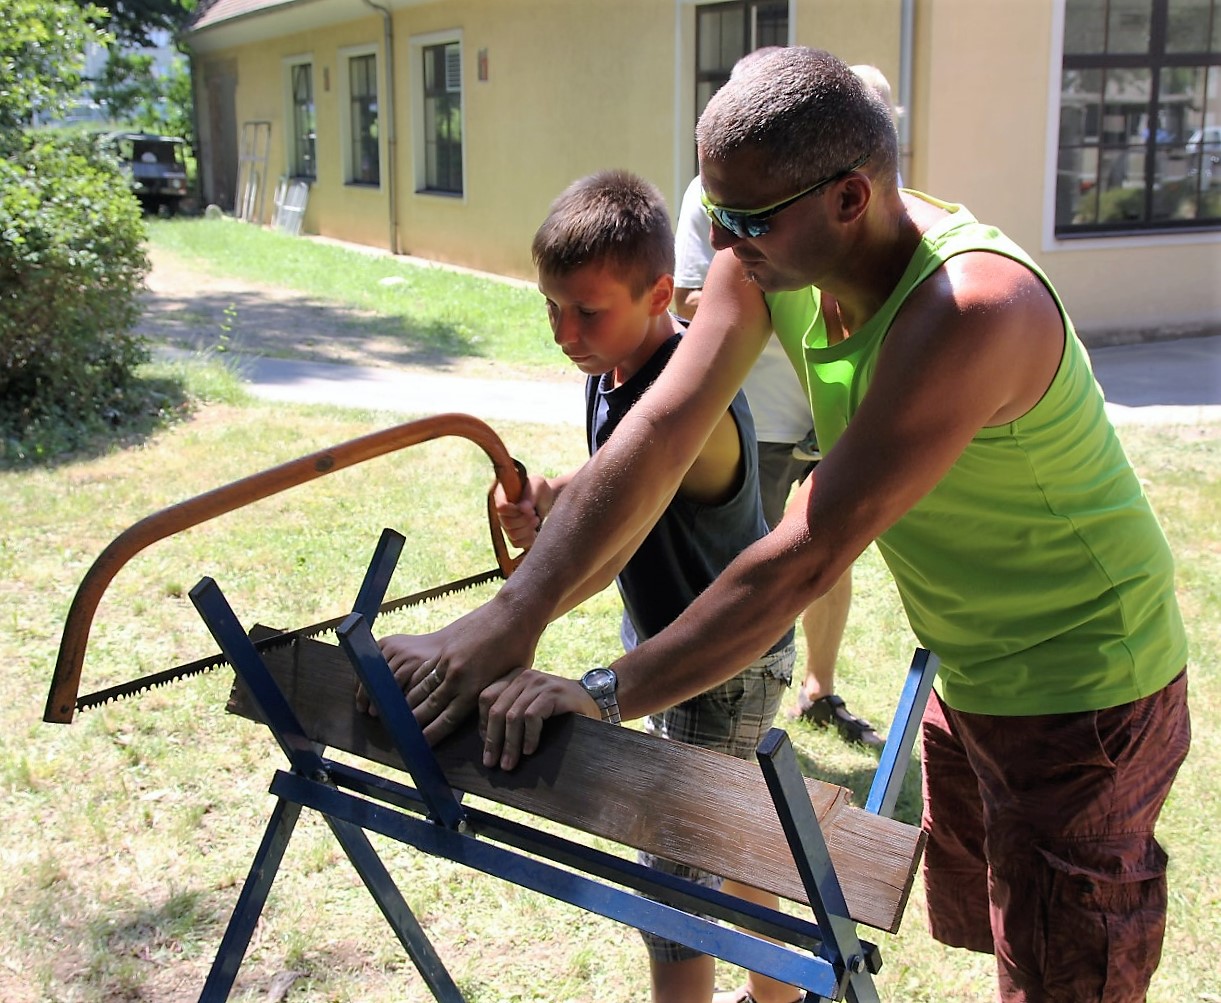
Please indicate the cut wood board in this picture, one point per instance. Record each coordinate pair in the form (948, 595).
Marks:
(698, 807)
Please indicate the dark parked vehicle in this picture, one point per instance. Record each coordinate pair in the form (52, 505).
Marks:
(155, 167)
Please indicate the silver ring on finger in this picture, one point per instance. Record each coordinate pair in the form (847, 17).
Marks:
(431, 681)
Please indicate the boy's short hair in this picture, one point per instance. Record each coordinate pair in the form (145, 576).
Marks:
(807, 111)
(611, 218)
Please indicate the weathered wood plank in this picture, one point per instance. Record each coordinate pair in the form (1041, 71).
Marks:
(679, 802)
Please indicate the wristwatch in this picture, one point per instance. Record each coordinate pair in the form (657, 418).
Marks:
(602, 684)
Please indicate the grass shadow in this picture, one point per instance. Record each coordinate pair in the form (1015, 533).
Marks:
(149, 932)
(301, 327)
(848, 770)
(159, 397)
(178, 913)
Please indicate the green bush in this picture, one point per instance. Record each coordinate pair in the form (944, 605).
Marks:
(72, 265)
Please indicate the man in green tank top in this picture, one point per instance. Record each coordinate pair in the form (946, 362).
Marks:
(963, 431)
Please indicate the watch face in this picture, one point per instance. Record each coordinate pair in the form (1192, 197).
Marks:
(599, 681)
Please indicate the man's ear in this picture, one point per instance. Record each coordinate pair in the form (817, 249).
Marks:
(660, 295)
(854, 195)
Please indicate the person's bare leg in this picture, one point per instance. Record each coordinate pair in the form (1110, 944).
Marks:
(762, 988)
(823, 623)
(689, 981)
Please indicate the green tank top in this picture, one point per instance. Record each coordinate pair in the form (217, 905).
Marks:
(1035, 569)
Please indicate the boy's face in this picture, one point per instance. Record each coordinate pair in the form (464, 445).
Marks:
(598, 323)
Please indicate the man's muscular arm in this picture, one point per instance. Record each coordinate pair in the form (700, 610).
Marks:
(976, 345)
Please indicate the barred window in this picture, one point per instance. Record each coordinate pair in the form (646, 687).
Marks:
(1140, 117)
(443, 118)
(303, 122)
(725, 32)
(363, 165)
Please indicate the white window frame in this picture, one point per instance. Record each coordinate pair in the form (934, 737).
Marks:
(416, 46)
(345, 55)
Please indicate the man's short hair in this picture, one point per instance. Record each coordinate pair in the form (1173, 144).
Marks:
(614, 219)
(806, 111)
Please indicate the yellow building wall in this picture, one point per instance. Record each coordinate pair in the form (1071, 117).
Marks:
(525, 136)
(346, 212)
(622, 104)
(981, 137)
(357, 213)
(573, 87)
(857, 31)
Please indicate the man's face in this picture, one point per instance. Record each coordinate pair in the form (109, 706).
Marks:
(596, 320)
(785, 256)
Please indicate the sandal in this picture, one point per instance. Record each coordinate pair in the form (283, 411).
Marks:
(831, 709)
(807, 449)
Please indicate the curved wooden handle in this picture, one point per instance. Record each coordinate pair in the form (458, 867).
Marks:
(65, 683)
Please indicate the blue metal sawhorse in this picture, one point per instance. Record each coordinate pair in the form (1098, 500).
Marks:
(825, 958)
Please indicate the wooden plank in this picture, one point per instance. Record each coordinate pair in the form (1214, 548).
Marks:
(674, 800)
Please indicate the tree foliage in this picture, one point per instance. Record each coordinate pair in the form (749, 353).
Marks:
(133, 21)
(177, 111)
(134, 94)
(127, 88)
(72, 265)
(72, 262)
(134, 91)
(42, 56)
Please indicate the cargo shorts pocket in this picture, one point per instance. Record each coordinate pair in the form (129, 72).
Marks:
(1103, 917)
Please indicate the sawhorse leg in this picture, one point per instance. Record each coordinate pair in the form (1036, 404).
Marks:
(306, 759)
(841, 947)
(888, 780)
(250, 902)
(377, 879)
(396, 910)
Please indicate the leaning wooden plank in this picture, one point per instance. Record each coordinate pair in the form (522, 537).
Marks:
(676, 801)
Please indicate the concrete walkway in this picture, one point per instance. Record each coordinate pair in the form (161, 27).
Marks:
(1164, 382)
(410, 392)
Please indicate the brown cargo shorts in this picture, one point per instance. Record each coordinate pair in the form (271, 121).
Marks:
(1041, 847)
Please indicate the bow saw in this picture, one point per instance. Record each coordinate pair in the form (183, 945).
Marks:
(63, 700)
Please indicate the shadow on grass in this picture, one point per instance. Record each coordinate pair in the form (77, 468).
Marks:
(293, 325)
(153, 403)
(135, 952)
(859, 778)
(144, 933)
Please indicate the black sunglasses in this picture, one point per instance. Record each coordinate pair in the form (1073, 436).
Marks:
(745, 223)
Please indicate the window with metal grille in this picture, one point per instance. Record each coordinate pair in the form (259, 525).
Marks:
(303, 121)
(1140, 117)
(725, 32)
(363, 165)
(443, 118)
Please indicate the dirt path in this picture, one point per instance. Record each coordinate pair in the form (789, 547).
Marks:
(186, 307)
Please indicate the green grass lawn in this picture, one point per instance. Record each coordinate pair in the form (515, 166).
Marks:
(426, 310)
(128, 833)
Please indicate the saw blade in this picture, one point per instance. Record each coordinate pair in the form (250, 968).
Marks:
(201, 665)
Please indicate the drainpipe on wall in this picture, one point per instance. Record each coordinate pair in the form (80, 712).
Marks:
(906, 98)
(388, 117)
